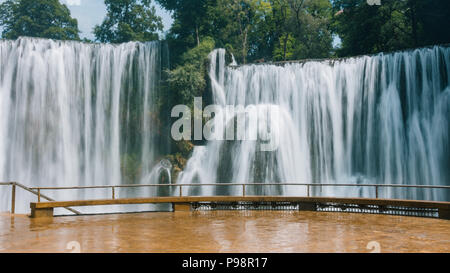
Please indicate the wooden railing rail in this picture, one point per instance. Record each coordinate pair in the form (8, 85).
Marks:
(38, 190)
(14, 185)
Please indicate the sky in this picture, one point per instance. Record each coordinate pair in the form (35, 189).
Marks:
(92, 12)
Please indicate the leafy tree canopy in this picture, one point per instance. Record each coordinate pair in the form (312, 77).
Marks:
(188, 80)
(393, 25)
(302, 29)
(191, 23)
(253, 29)
(37, 18)
(129, 20)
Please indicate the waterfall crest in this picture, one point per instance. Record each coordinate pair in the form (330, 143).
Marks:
(75, 114)
(380, 119)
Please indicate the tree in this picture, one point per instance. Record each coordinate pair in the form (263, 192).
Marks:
(366, 29)
(192, 21)
(314, 34)
(129, 20)
(188, 80)
(432, 21)
(277, 29)
(394, 25)
(303, 29)
(189, 17)
(246, 15)
(37, 18)
(252, 29)
(231, 23)
(281, 14)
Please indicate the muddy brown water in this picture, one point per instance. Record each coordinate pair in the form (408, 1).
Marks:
(225, 231)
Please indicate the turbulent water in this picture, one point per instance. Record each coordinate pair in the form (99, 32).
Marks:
(74, 114)
(380, 119)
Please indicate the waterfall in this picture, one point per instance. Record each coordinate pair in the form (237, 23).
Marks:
(76, 114)
(380, 119)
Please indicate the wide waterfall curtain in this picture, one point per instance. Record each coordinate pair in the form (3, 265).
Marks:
(382, 119)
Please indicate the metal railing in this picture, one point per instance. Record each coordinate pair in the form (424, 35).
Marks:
(37, 190)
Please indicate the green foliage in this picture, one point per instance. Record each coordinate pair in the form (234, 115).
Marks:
(185, 82)
(266, 30)
(37, 18)
(247, 16)
(253, 29)
(285, 48)
(303, 29)
(198, 54)
(188, 79)
(394, 25)
(191, 24)
(433, 21)
(129, 20)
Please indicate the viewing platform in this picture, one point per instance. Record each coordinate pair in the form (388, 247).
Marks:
(247, 202)
(230, 224)
(225, 232)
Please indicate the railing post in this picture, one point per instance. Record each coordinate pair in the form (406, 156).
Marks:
(39, 195)
(307, 186)
(376, 192)
(13, 198)
(181, 191)
(243, 189)
(113, 193)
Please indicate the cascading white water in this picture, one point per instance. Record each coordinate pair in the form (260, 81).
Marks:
(381, 119)
(74, 114)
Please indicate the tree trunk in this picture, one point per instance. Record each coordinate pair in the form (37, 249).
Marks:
(285, 46)
(244, 45)
(196, 32)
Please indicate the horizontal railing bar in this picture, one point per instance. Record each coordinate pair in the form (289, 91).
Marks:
(243, 184)
(40, 195)
(43, 196)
